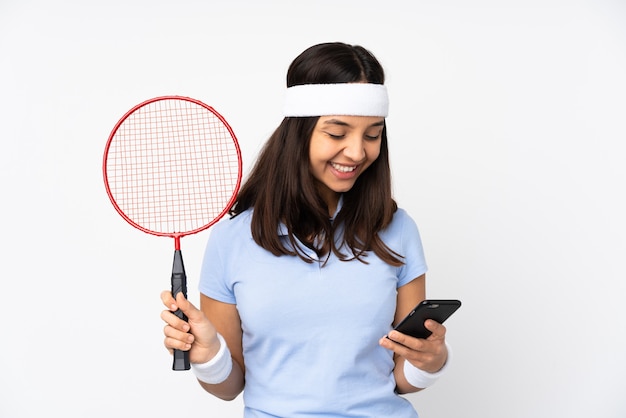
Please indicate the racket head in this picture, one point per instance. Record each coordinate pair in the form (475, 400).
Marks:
(172, 166)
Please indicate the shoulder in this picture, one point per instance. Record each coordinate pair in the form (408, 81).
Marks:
(402, 231)
(400, 222)
(401, 215)
(233, 225)
(229, 232)
(403, 236)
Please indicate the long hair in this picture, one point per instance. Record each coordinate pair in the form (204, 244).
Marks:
(281, 188)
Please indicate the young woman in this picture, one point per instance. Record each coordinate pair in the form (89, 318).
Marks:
(302, 285)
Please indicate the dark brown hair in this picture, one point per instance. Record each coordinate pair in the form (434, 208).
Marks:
(281, 188)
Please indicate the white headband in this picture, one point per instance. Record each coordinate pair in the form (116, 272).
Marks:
(346, 99)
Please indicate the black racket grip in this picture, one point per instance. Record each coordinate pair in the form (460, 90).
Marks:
(179, 284)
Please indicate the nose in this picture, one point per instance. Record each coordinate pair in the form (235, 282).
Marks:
(354, 148)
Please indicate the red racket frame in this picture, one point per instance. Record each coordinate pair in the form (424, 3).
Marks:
(177, 235)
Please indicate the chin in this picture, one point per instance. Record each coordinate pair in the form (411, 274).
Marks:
(343, 189)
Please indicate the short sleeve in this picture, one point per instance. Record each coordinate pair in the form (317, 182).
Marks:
(411, 248)
(214, 275)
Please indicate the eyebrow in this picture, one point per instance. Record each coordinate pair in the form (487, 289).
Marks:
(343, 123)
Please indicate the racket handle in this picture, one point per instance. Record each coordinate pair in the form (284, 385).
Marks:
(179, 284)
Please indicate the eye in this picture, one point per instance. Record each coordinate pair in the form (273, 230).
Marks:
(335, 135)
(372, 137)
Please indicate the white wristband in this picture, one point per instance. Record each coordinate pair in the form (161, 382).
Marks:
(218, 368)
(421, 379)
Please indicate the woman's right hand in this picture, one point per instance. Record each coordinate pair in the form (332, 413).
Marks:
(197, 335)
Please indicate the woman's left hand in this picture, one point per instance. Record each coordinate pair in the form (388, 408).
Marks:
(428, 354)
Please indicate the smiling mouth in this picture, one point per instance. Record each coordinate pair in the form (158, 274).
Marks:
(343, 168)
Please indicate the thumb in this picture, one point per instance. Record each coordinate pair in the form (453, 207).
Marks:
(188, 308)
(204, 332)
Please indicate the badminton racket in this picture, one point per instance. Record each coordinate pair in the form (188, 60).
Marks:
(172, 167)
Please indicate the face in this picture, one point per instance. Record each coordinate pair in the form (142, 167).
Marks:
(343, 147)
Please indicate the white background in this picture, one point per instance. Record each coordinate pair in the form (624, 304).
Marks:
(507, 126)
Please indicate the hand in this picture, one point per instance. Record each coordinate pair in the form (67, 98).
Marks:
(197, 335)
(428, 354)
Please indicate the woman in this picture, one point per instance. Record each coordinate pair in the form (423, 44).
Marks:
(301, 286)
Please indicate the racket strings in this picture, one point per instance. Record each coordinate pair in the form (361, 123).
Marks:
(173, 166)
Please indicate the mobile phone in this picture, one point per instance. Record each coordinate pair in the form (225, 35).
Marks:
(436, 309)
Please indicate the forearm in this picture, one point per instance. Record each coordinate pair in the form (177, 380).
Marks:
(230, 388)
(410, 378)
(402, 386)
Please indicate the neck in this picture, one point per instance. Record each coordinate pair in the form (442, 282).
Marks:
(331, 198)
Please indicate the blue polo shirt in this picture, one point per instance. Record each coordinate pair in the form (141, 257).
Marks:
(311, 331)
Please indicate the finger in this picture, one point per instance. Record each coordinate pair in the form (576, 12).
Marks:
(437, 329)
(417, 358)
(402, 344)
(390, 344)
(176, 334)
(193, 314)
(168, 300)
(174, 321)
(173, 344)
(406, 340)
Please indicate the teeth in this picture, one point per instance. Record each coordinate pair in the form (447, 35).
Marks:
(343, 168)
